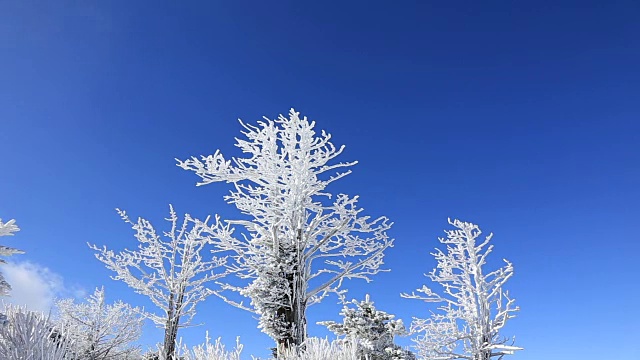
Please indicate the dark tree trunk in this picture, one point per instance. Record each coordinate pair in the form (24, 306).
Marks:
(172, 324)
(295, 314)
(170, 334)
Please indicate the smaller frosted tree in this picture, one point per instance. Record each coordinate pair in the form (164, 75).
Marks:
(172, 272)
(475, 306)
(7, 229)
(372, 329)
(100, 331)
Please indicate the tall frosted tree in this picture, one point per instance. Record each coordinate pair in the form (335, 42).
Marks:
(300, 242)
(7, 229)
(475, 305)
(172, 273)
(100, 331)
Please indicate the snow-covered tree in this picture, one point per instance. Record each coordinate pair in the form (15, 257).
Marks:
(372, 329)
(475, 306)
(8, 228)
(300, 244)
(100, 331)
(26, 335)
(171, 272)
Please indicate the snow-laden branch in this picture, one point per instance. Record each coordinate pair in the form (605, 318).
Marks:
(7, 229)
(298, 245)
(475, 306)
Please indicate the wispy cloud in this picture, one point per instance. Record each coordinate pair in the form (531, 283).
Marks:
(35, 286)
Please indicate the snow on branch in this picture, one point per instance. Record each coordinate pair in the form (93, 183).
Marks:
(7, 229)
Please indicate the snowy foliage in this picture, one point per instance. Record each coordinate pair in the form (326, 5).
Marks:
(372, 329)
(8, 228)
(172, 272)
(322, 349)
(206, 351)
(215, 351)
(27, 335)
(100, 331)
(300, 241)
(475, 307)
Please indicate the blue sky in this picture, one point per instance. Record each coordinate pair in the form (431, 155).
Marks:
(521, 117)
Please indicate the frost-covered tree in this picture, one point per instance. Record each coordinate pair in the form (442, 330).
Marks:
(8, 228)
(300, 243)
(475, 306)
(26, 335)
(172, 273)
(100, 331)
(372, 329)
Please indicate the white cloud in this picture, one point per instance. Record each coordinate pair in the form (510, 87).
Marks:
(32, 285)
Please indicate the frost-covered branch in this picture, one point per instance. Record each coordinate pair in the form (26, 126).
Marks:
(7, 229)
(475, 306)
(298, 245)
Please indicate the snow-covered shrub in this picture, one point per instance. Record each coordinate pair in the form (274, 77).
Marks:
(373, 329)
(322, 349)
(101, 331)
(206, 351)
(28, 335)
(209, 351)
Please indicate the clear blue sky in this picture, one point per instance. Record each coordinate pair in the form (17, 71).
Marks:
(522, 117)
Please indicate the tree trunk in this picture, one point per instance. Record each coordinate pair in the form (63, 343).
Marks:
(171, 327)
(295, 317)
(484, 354)
(170, 334)
(295, 314)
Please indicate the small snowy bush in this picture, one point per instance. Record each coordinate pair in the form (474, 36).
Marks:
(28, 335)
(322, 349)
(206, 351)
(101, 331)
(373, 329)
